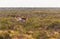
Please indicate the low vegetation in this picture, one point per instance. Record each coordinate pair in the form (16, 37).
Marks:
(38, 25)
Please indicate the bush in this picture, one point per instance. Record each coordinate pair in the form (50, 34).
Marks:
(54, 26)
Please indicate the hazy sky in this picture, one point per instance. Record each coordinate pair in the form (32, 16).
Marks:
(29, 3)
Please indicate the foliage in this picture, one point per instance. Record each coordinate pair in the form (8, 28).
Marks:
(38, 25)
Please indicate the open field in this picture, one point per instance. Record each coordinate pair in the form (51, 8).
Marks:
(41, 23)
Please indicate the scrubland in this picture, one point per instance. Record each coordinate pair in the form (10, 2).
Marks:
(40, 24)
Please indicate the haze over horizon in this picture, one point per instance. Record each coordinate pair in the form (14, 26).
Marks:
(29, 3)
